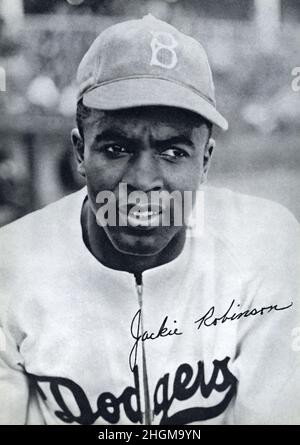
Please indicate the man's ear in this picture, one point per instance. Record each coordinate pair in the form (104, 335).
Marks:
(208, 150)
(78, 147)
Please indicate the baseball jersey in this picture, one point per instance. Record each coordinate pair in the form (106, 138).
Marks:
(208, 338)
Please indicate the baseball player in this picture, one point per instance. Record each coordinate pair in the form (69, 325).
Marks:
(123, 319)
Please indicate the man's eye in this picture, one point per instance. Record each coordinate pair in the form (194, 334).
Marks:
(174, 153)
(115, 151)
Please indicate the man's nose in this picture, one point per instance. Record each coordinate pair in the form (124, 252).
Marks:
(143, 173)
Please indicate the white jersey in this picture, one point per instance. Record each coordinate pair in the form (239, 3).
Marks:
(208, 337)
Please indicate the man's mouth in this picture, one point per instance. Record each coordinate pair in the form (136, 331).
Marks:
(144, 216)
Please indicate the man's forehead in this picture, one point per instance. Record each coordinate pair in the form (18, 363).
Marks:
(161, 120)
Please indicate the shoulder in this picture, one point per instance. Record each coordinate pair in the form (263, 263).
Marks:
(34, 251)
(241, 207)
(256, 229)
(41, 232)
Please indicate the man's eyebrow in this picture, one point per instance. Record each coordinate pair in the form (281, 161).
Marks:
(179, 139)
(110, 135)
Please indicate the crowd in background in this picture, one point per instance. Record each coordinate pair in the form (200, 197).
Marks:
(260, 152)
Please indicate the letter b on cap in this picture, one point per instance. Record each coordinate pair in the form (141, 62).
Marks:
(163, 46)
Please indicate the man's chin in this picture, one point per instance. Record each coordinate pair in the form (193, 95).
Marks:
(138, 248)
(138, 244)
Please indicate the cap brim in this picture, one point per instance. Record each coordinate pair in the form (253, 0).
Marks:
(138, 92)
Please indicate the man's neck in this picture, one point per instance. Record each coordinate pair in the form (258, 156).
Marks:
(100, 246)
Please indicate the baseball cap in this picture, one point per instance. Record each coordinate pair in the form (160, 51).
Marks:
(147, 62)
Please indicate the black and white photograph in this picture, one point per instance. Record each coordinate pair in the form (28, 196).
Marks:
(149, 213)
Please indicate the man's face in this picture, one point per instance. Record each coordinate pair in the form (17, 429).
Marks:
(149, 149)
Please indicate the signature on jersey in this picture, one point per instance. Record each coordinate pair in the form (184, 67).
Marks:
(207, 320)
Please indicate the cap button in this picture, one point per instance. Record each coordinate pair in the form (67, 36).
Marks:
(149, 16)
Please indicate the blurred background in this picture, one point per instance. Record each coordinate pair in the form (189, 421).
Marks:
(253, 46)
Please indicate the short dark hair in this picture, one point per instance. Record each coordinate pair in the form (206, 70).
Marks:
(84, 112)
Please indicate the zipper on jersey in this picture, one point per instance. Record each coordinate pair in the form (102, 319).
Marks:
(147, 414)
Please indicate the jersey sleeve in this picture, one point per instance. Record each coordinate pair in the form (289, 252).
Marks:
(14, 388)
